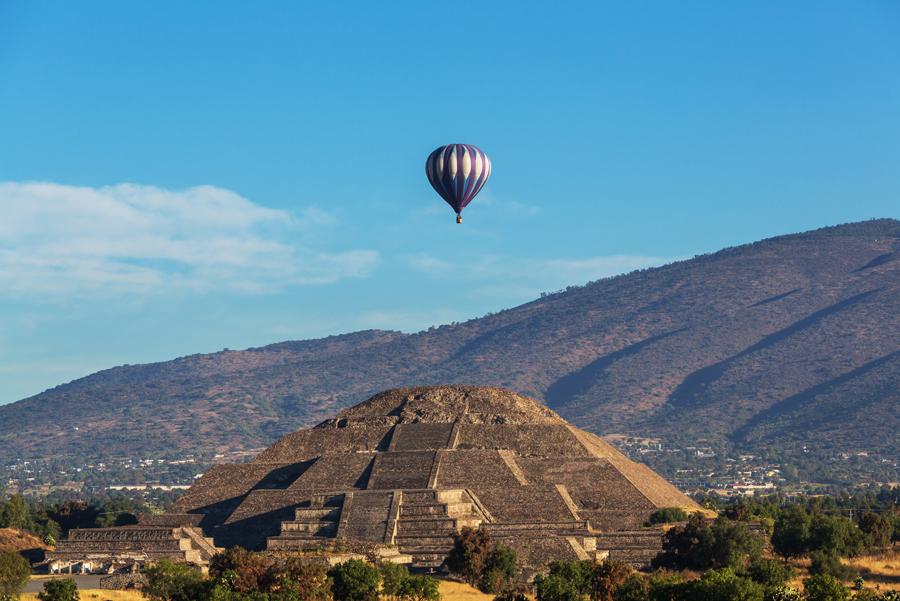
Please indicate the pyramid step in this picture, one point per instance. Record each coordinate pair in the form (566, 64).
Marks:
(420, 496)
(423, 510)
(318, 513)
(426, 550)
(327, 529)
(436, 528)
(419, 539)
(280, 543)
(452, 496)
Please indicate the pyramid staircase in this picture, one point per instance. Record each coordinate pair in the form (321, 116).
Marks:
(427, 522)
(313, 522)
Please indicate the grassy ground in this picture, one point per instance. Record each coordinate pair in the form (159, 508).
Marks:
(881, 572)
(97, 595)
(458, 591)
(450, 591)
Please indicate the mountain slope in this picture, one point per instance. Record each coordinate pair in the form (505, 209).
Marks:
(790, 341)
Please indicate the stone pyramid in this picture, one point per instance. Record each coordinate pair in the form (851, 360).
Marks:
(412, 466)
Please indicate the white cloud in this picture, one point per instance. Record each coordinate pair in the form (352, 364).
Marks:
(408, 321)
(507, 207)
(485, 201)
(514, 278)
(58, 240)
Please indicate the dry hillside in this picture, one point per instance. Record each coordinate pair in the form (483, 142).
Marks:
(785, 343)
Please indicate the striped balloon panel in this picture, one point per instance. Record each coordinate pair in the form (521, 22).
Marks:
(458, 172)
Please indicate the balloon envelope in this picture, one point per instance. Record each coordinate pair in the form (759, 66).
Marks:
(458, 172)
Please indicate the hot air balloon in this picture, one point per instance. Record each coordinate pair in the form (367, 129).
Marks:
(458, 172)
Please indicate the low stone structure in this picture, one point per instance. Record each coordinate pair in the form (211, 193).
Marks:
(410, 467)
(127, 548)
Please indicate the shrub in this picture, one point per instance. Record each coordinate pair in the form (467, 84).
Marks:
(242, 571)
(170, 581)
(63, 589)
(828, 562)
(635, 588)
(304, 580)
(512, 595)
(770, 573)
(14, 573)
(665, 586)
(783, 593)
(823, 587)
(725, 585)
(355, 580)
(667, 515)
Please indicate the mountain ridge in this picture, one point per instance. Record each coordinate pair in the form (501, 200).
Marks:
(716, 341)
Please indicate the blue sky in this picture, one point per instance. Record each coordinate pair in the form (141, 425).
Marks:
(181, 178)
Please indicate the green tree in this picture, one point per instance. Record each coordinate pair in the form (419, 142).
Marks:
(14, 514)
(14, 573)
(419, 588)
(607, 578)
(579, 573)
(304, 580)
(73, 514)
(556, 587)
(392, 577)
(823, 587)
(59, 589)
(879, 529)
(499, 570)
(791, 533)
(469, 556)
(667, 515)
(696, 545)
(355, 580)
(170, 581)
(835, 533)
